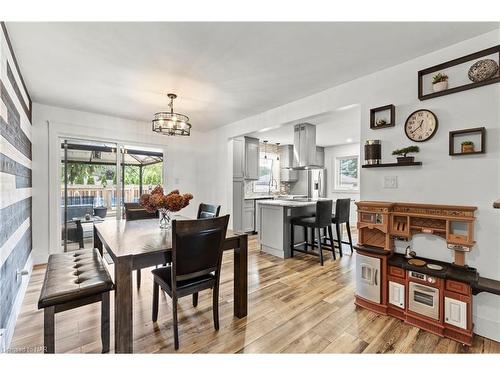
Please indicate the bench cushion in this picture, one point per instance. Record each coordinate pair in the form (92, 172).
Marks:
(74, 275)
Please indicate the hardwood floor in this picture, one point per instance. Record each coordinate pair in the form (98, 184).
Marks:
(295, 306)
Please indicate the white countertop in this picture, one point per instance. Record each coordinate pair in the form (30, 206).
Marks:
(287, 203)
(259, 197)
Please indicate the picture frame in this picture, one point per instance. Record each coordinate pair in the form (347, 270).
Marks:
(374, 119)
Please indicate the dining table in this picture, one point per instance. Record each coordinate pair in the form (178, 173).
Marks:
(138, 244)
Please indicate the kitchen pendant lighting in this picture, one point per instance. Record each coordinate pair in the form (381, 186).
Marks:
(278, 151)
(265, 149)
(171, 123)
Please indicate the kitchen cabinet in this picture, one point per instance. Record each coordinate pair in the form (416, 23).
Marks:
(245, 158)
(238, 197)
(320, 156)
(455, 312)
(238, 158)
(251, 158)
(249, 215)
(397, 294)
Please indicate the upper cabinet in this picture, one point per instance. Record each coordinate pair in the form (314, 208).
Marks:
(246, 158)
(320, 156)
(251, 158)
(286, 162)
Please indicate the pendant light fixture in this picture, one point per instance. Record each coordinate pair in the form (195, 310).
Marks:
(265, 149)
(171, 123)
(278, 151)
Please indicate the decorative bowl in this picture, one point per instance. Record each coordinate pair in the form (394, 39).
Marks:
(482, 70)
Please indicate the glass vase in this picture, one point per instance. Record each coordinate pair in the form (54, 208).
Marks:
(164, 218)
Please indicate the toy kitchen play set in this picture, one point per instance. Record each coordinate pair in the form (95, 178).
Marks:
(432, 295)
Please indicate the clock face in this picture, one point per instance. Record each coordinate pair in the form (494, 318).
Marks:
(421, 125)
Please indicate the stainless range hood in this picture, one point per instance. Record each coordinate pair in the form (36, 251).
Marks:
(304, 147)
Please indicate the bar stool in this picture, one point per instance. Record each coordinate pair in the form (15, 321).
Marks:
(322, 220)
(342, 212)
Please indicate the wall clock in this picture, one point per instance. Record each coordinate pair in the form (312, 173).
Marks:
(421, 125)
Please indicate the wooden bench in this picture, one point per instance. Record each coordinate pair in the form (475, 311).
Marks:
(72, 280)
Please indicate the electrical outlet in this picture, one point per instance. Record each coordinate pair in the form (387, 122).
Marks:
(390, 182)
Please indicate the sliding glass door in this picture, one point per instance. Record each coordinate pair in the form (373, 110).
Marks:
(97, 179)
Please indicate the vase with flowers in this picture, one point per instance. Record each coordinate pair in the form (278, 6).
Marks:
(165, 204)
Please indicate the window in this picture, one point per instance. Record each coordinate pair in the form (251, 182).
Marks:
(269, 173)
(346, 173)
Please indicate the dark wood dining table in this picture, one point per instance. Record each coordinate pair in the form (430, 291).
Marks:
(141, 243)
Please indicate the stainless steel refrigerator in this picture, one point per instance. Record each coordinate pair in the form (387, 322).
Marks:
(317, 183)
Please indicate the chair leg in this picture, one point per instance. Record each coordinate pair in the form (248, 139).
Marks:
(215, 307)
(105, 328)
(49, 329)
(330, 234)
(292, 240)
(312, 239)
(320, 249)
(139, 278)
(349, 234)
(156, 292)
(306, 237)
(176, 329)
(195, 299)
(339, 239)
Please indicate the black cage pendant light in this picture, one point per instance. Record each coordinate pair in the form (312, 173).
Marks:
(171, 123)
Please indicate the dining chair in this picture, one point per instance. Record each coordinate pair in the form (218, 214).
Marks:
(341, 216)
(196, 263)
(208, 211)
(133, 211)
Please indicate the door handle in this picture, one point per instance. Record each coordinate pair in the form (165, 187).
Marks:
(375, 277)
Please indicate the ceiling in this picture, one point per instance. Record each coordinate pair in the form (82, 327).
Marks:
(222, 72)
(332, 128)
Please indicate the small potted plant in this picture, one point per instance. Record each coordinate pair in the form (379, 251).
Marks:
(381, 122)
(439, 82)
(404, 152)
(467, 146)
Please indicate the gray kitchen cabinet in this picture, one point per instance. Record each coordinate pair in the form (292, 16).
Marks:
(238, 158)
(251, 158)
(320, 156)
(286, 162)
(248, 215)
(238, 197)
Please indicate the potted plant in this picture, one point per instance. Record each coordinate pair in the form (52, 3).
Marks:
(404, 152)
(467, 146)
(439, 82)
(381, 122)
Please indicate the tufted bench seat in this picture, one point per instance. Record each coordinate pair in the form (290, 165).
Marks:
(72, 280)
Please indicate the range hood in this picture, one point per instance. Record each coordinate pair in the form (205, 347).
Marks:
(304, 147)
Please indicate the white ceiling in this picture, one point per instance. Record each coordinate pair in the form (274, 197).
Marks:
(332, 128)
(222, 72)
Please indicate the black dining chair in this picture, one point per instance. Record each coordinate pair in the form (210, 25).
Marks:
(208, 211)
(321, 220)
(196, 263)
(134, 211)
(341, 216)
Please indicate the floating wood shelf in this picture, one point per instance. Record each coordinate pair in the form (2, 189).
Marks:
(455, 62)
(384, 165)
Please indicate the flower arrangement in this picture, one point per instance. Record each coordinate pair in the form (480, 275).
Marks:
(173, 201)
(164, 204)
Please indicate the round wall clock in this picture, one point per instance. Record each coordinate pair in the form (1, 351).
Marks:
(421, 125)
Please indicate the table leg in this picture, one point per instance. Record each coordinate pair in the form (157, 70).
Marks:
(241, 278)
(123, 305)
(97, 242)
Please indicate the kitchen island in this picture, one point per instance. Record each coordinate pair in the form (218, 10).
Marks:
(273, 224)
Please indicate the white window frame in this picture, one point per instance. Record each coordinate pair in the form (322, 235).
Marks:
(336, 177)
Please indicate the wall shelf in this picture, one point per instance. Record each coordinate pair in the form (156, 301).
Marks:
(385, 165)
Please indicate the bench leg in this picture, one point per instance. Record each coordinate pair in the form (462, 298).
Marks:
(49, 329)
(105, 328)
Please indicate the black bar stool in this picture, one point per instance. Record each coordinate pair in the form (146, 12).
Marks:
(322, 220)
(342, 212)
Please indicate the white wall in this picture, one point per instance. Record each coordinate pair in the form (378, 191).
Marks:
(182, 155)
(331, 153)
(473, 180)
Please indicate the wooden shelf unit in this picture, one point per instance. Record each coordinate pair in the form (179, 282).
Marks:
(379, 222)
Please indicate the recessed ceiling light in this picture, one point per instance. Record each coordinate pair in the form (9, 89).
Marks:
(349, 140)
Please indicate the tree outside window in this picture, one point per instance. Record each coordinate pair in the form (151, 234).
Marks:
(346, 173)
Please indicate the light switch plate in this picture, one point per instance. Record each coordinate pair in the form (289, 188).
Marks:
(390, 182)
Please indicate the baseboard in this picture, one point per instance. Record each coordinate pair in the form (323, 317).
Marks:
(487, 328)
(16, 308)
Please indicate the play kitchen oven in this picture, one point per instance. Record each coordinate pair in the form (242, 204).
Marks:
(423, 294)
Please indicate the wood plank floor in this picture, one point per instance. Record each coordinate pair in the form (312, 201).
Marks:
(295, 306)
